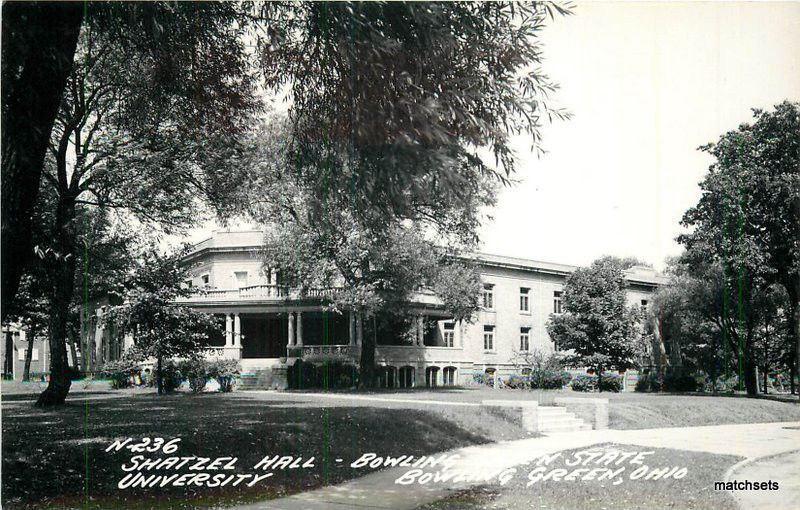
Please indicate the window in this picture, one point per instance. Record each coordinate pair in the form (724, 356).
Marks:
(557, 308)
(488, 338)
(188, 284)
(449, 376)
(644, 304)
(524, 301)
(488, 296)
(449, 334)
(34, 354)
(241, 278)
(524, 339)
(205, 279)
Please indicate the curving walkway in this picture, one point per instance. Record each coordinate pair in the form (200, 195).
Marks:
(752, 441)
(784, 468)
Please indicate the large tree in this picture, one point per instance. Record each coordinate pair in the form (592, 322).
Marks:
(178, 59)
(103, 159)
(748, 219)
(374, 269)
(38, 43)
(161, 329)
(700, 315)
(415, 88)
(597, 324)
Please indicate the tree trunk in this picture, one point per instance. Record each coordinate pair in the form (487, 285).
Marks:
(62, 272)
(8, 357)
(39, 41)
(85, 355)
(26, 373)
(793, 289)
(159, 379)
(750, 375)
(366, 365)
(599, 379)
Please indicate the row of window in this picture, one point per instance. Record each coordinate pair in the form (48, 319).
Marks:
(241, 278)
(524, 338)
(524, 299)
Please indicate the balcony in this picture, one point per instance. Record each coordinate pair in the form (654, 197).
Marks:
(282, 293)
(257, 293)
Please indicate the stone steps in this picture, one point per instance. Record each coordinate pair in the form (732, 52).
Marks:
(558, 419)
(257, 380)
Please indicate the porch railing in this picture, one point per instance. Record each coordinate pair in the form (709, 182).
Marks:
(325, 351)
(260, 292)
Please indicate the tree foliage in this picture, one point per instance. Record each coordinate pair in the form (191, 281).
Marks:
(395, 100)
(161, 329)
(598, 325)
(748, 220)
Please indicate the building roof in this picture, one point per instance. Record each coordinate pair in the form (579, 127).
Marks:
(247, 240)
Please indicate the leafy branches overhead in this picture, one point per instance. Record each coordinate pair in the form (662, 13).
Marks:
(396, 99)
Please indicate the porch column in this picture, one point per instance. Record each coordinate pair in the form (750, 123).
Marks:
(290, 343)
(460, 329)
(228, 330)
(299, 340)
(352, 328)
(420, 331)
(237, 331)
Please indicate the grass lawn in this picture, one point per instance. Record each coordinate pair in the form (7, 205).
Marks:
(631, 410)
(695, 491)
(56, 458)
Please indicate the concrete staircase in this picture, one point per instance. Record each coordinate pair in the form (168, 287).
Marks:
(558, 419)
(255, 380)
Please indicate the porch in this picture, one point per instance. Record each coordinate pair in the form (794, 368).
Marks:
(273, 340)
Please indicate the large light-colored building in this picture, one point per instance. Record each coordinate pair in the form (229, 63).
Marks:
(268, 325)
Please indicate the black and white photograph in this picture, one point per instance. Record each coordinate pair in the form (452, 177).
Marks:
(400, 255)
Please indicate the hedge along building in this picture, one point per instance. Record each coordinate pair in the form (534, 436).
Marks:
(269, 325)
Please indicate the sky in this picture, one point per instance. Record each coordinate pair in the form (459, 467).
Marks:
(647, 84)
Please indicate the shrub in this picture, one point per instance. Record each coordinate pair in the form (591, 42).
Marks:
(195, 370)
(328, 375)
(483, 378)
(171, 377)
(301, 375)
(120, 372)
(724, 384)
(588, 383)
(585, 383)
(74, 373)
(225, 372)
(549, 379)
(674, 381)
(611, 382)
(643, 383)
(679, 381)
(518, 382)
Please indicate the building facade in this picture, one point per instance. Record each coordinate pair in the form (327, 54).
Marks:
(269, 325)
(13, 350)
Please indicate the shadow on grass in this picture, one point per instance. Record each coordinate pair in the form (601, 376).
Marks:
(57, 458)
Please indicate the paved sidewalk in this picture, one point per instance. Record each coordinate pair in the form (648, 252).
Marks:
(784, 469)
(379, 491)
